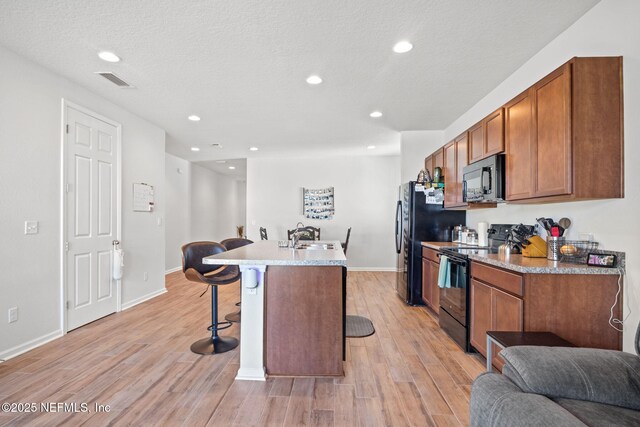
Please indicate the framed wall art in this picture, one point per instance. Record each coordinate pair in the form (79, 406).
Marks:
(318, 203)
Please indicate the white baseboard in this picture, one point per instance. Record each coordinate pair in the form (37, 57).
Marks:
(30, 345)
(394, 269)
(172, 270)
(143, 298)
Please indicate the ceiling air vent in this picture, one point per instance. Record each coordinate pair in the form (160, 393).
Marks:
(216, 145)
(113, 79)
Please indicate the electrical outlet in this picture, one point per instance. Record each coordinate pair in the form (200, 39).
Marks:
(145, 276)
(31, 227)
(586, 236)
(13, 314)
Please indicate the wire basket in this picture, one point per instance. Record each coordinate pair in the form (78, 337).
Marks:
(576, 251)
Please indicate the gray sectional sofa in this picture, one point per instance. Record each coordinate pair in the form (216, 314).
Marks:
(559, 386)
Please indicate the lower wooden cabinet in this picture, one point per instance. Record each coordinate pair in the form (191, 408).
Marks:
(576, 307)
(430, 289)
(492, 310)
(430, 269)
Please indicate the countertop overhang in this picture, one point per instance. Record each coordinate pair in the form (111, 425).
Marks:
(267, 252)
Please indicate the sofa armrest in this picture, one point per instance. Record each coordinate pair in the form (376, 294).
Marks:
(496, 401)
(604, 376)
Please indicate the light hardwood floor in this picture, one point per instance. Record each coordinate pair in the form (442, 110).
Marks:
(138, 362)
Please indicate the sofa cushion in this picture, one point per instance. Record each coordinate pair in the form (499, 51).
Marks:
(497, 402)
(599, 414)
(604, 376)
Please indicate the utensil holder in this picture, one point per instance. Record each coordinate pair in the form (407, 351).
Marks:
(553, 247)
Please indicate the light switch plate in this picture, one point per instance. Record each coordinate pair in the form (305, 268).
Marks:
(31, 227)
(13, 314)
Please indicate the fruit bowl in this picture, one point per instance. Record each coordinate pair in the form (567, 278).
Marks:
(576, 251)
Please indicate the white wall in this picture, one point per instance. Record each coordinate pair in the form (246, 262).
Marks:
(214, 205)
(415, 145)
(609, 29)
(178, 216)
(201, 205)
(30, 188)
(366, 191)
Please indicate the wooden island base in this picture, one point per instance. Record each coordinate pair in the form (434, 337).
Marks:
(304, 320)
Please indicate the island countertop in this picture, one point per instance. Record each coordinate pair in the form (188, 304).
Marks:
(267, 252)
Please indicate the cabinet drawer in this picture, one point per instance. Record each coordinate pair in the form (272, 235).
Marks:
(430, 254)
(500, 279)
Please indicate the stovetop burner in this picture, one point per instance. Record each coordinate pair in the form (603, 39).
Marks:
(464, 252)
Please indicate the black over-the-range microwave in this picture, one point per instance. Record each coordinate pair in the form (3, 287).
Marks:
(483, 181)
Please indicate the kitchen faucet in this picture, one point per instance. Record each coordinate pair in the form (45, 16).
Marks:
(295, 236)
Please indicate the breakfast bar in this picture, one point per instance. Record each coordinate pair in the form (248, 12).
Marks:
(293, 308)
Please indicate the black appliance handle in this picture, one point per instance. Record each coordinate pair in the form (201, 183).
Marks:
(453, 259)
(398, 225)
(464, 190)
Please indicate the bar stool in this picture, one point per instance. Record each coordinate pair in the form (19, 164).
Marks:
(230, 244)
(214, 276)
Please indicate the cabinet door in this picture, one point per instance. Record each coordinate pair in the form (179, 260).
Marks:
(449, 174)
(480, 315)
(519, 139)
(507, 316)
(553, 134)
(428, 165)
(476, 143)
(438, 158)
(426, 281)
(494, 134)
(435, 289)
(461, 162)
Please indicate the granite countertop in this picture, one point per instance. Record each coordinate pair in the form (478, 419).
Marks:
(267, 252)
(525, 265)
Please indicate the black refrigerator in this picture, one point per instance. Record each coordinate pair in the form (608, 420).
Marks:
(418, 221)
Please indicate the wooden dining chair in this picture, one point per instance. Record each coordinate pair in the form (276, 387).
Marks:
(345, 244)
(305, 233)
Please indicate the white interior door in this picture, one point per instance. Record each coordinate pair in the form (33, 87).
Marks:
(91, 217)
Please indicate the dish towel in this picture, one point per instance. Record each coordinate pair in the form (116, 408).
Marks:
(444, 279)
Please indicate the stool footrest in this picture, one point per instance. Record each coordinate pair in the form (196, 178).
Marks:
(221, 326)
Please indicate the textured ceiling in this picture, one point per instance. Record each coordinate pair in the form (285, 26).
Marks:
(241, 65)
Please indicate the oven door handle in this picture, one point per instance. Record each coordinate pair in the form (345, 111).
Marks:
(453, 260)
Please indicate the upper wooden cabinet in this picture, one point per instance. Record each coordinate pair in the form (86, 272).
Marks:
(455, 159)
(487, 137)
(564, 135)
(436, 159)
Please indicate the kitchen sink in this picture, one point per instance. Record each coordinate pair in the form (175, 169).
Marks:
(315, 246)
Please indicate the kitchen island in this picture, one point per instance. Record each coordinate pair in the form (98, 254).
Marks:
(293, 308)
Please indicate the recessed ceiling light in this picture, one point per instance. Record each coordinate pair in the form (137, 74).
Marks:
(253, 149)
(195, 149)
(371, 147)
(232, 167)
(402, 47)
(314, 80)
(108, 56)
(376, 114)
(194, 118)
(221, 161)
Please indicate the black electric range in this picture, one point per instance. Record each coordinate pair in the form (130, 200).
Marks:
(454, 308)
